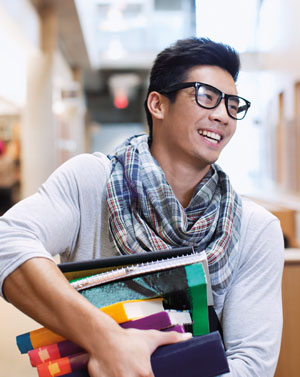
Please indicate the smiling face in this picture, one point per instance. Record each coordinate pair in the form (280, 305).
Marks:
(187, 133)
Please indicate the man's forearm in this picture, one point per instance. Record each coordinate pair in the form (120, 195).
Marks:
(40, 290)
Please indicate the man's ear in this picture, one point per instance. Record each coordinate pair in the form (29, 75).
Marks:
(156, 104)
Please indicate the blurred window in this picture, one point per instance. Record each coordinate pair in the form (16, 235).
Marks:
(232, 21)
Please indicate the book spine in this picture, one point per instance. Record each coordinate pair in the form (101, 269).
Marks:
(198, 295)
(62, 366)
(37, 338)
(53, 352)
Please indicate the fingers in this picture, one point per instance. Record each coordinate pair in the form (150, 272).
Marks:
(155, 338)
(170, 337)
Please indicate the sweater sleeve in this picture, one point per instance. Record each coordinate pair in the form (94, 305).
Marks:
(252, 311)
(50, 221)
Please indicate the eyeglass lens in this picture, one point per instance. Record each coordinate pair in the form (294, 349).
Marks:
(210, 97)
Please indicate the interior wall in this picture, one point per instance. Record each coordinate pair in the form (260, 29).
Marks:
(277, 72)
(278, 41)
(17, 40)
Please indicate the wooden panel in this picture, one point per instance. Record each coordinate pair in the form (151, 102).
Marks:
(287, 218)
(296, 137)
(289, 359)
(280, 142)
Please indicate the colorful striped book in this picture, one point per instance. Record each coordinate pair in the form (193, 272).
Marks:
(168, 320)
(201, 356)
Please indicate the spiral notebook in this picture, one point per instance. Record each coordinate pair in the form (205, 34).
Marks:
(121, 267)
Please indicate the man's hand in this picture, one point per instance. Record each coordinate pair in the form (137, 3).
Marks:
(126, 353)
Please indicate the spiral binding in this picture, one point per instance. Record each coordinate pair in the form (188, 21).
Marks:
(139, 269)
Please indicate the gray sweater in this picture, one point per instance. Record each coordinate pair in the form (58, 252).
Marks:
(68, 215)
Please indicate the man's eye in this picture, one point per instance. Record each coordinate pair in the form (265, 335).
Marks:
(233, 106)
(205, 97)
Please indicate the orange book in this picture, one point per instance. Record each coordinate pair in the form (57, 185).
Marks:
(133, 309)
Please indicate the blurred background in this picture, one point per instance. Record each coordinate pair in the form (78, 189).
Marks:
(73, 77)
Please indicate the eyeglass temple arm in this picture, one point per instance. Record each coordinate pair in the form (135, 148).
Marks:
(243, 108)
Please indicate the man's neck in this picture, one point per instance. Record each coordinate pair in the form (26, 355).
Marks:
(183, 177)
(183, 183)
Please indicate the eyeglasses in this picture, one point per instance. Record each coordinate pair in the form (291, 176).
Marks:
(209, 97)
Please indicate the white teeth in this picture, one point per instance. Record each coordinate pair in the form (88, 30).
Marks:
(213, 137)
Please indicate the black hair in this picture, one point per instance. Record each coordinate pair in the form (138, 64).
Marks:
(171, 66)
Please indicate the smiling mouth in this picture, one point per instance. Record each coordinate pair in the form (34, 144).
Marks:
(211, 136)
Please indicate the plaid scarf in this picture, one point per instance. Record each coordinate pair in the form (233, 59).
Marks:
(145, 215)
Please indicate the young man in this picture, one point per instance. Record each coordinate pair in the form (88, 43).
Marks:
(156, 192)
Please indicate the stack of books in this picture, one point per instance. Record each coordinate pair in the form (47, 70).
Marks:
(163, 291)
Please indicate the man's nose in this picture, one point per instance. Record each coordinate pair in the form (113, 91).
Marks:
(220, 113)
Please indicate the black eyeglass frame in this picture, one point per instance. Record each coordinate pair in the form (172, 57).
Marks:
(197, 84)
